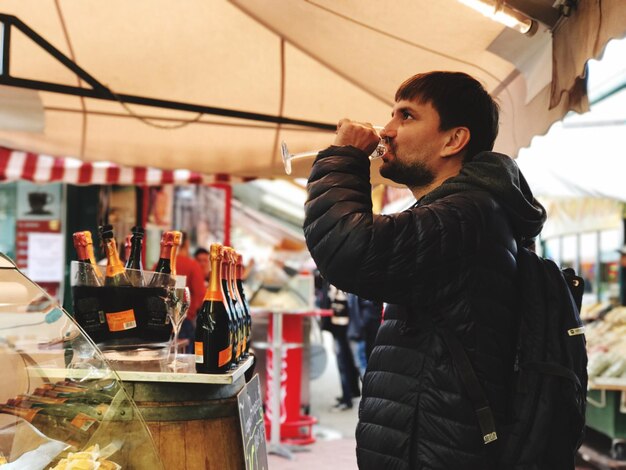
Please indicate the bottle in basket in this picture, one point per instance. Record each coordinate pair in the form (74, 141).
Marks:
(163, 269)
(87, 273)
(213, 344)
(133, 260)
(115, 273)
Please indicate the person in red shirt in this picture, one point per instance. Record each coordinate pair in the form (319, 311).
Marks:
(201, 255)
(187, 266)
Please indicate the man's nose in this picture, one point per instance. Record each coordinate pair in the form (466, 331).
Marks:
(388, 132)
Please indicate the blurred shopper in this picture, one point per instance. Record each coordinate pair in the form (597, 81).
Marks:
(329, 297)
(338, 325)
(447, 265)
(201, 255)
(365, 318)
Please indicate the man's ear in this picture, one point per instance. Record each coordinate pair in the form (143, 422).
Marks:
(457, 141)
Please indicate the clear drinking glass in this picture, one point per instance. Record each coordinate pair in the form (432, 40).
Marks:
(178, 301)
(289, 157)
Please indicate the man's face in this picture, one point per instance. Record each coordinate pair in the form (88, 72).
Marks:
(205, 262)
(414, 142)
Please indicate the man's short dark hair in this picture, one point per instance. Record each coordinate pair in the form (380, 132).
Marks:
(461, 101)
(200, 251)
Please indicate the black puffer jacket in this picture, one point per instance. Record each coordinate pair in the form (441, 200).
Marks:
(449, 262)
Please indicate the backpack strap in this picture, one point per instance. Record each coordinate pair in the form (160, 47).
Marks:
(550, 368)
(475, 391)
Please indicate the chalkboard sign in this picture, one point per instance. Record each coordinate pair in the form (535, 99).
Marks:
(252, 425)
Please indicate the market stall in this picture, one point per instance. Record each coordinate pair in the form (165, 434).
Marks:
(64, 399)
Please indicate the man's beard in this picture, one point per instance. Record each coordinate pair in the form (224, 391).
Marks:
(413, 175)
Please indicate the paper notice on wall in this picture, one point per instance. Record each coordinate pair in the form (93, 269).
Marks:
(45, 257)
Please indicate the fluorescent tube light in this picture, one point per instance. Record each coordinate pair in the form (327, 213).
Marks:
(503, 14)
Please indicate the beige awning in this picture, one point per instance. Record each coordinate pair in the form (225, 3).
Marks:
(317, 60)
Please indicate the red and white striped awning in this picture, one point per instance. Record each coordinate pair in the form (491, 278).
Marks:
(16, 165)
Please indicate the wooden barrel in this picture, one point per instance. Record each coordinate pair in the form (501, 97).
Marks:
(194, 426)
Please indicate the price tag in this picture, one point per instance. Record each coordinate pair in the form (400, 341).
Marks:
(121, 321)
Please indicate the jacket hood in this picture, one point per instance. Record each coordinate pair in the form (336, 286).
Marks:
(499, 175)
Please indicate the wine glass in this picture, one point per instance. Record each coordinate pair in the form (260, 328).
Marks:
(288, 157)
(179, 299)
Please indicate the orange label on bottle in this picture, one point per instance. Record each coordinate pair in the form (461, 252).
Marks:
(224, 356)
(198, 348)
(83, 422)
(121, 321)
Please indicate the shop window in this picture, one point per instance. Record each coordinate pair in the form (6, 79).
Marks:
(610, 242)
(552, 249)
(588, 264)
(569, 252)
(7, 219)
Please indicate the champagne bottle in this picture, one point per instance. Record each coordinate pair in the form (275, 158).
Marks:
(232, 292)
(120, 317)
(163, 270)
(133, 260)
(87, 274)
(214, 337)
(230, 307)
(92, 257)
(244, 303)
(115, 272)
(177, 240)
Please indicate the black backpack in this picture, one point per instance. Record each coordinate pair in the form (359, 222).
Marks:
(550, 372)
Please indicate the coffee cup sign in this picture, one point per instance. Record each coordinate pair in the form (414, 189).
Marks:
(37, 201)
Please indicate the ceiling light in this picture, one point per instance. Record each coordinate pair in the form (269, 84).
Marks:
(498, 11)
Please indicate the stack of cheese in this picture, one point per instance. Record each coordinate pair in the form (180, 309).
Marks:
(89, 459)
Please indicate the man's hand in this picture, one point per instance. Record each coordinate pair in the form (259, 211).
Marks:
(359, 135)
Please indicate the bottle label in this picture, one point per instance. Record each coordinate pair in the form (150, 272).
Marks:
(121, 321)
(83, 422)
(199, 352)
(88, 312)
(224, 356)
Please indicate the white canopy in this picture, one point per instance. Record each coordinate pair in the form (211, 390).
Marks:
(584, 155)
(316, 60)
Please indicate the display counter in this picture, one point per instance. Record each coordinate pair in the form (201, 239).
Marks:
(65, 404)
(606, 407)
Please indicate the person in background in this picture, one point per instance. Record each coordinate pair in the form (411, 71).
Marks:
(446, 266)
(201, 255)
(365, 318)
(329, 297)
(189, 267)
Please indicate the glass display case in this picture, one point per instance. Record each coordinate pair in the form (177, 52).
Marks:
(61, 404)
